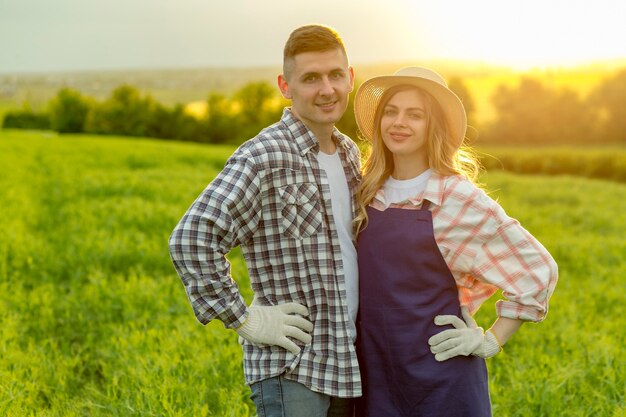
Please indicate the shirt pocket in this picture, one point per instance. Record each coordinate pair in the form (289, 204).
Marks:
(301, 213)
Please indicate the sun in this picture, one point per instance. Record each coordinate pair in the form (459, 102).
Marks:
(521, 35)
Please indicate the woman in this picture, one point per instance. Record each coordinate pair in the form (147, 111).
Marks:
(432, 248)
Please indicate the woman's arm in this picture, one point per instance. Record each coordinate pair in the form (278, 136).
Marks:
(503, 328)
(468, 339)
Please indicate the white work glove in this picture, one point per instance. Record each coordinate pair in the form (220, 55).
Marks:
(271, 325)
(465, 339)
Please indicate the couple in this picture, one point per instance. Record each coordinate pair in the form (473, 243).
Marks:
(431, 248)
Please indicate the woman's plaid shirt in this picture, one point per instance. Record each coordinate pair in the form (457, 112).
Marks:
(273, 201)
(485, 249)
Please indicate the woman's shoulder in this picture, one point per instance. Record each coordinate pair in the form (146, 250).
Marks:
(459, 186)
(460, 190)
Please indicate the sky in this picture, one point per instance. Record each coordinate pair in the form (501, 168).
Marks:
(77, 35)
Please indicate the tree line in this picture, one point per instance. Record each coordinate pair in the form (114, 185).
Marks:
(128, 112)
(529, 113)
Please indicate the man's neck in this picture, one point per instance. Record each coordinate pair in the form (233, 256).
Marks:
(323, 133)
(324, 136)
(327, 144)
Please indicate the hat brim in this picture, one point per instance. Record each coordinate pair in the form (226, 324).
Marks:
(367, 99)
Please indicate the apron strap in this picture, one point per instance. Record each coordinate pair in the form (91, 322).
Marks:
(425, 204)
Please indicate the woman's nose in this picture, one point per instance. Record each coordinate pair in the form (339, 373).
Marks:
(399, 121)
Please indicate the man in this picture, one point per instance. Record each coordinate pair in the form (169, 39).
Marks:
(287, 198)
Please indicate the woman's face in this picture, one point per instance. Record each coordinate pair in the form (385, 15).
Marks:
(404, 124)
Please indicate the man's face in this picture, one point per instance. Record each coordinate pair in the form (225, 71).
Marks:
(318, 86)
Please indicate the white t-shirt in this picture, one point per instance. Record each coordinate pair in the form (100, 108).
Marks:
(342, 213)
(397, 191)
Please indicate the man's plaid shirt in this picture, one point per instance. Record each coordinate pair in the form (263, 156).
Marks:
(273, 201)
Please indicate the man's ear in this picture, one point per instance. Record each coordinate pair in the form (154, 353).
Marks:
(351, 73)
(283, 86)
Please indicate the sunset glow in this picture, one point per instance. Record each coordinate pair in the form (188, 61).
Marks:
(522, 34)
(69, 35)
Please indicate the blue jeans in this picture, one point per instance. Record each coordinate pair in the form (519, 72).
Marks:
(280, 397)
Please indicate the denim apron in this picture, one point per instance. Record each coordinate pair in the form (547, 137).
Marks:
(404, 283)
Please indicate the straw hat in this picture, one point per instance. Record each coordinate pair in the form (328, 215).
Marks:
(369, 93)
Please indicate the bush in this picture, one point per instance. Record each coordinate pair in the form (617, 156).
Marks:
(533, 113)
(26, 119)
(68, 111)
(173, 123)
(600, 163)
(125, 113)
(610, 97)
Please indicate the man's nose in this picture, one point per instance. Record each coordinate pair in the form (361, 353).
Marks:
(327, 87)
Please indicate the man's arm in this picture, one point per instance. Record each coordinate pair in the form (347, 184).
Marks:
(225, 214)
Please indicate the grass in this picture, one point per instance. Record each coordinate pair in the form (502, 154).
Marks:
(95, 322)
(575, 359)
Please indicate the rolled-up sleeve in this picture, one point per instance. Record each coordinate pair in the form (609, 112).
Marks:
(225, 214)
(515, 262)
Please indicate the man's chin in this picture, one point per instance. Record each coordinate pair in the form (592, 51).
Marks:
(332, 116)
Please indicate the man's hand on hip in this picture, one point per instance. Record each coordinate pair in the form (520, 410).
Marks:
(273, 325)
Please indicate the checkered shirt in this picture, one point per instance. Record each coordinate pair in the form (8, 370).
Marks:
(485, 249)
(273, 201)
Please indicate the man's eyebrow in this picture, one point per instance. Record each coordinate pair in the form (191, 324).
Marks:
(334, 70)
(308, 74)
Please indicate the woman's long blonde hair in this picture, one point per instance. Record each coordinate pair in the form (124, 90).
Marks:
(443, 156)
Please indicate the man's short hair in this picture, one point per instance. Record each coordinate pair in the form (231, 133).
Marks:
(310, 38)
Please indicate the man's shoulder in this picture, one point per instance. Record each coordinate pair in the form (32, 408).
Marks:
(350, 146)
(353, 148)
(273, 147)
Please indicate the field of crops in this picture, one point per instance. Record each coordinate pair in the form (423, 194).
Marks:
(95, 322)
(608, 163)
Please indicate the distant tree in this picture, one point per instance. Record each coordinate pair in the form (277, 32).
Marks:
(174, 123)
(457, 85)
(220, 125)
(534, 114)
(257, 108)
(26, 118)
(609, 98)
(124, 113)
(68, 111)
(254, 99)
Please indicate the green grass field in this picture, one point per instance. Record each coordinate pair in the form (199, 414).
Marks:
(95, 322)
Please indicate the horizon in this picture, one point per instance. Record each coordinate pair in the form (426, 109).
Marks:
(607, 64)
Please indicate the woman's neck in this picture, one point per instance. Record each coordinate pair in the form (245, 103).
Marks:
(405, 168)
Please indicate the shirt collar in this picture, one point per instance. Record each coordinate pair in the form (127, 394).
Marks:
(434, 189)
(304, 138)
(433, 193)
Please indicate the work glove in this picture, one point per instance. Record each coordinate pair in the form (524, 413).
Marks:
(272, 325)
(465, 339)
